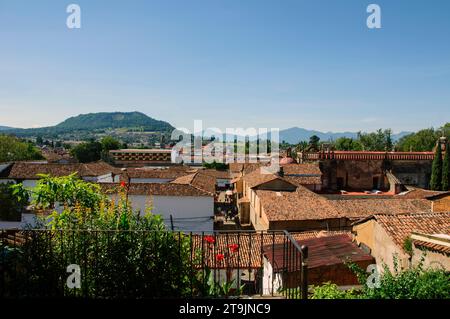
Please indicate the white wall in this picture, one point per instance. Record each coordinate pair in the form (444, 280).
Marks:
(271, 281)
(107, 178)
(6, 181)
(190, 213)
(26, 219)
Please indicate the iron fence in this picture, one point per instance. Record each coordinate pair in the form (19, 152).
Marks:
(150, 264)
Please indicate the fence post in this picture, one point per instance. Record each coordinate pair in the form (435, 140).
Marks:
(304, 271)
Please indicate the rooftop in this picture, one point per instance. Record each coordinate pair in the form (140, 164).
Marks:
(30, 170)
(157, 189)
(399, 227)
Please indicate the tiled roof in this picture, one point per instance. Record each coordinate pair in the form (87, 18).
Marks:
(250, 245)
(244, 168)
(359, 208)
(261, 176)
(222, 174)
(418, 193)
(304, 180)
(325, 251)
(301, 204)
(399, 227)
(198, 180)
(161, 189)
(30, 170)
(302, 169)
(432, 246)
(167, 173)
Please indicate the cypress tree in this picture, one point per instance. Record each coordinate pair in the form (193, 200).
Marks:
(436, 169)
(446, 169)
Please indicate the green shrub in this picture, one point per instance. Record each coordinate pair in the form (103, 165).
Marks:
(331, 291)
(413, 283)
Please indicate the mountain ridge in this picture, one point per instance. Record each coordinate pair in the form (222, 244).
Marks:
(98, 121)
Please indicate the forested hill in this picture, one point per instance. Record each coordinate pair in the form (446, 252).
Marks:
(114, 120)
(99, 121)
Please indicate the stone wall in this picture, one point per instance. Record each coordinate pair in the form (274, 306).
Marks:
(370, 174)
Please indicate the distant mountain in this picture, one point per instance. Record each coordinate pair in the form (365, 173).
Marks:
(294, 135)
(113, 120)
(2, 128)
(99, 121)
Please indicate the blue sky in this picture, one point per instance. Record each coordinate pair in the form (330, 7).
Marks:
(233, 63)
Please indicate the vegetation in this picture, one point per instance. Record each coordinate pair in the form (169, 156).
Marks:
(11, 205)
(436, 169)
(92, 150)
(423, 140)
(114, 120)
(121, 254)
(215, 165)
(348, 144)
(87, 152)
(377, 141)
(331, 291)
(413, 283)
(446, 169)
(14, 149)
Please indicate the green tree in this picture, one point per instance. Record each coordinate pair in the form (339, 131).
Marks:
(87, 152)
(347, 144)
(14, 149)
(11, 205)
(446, 169)
(109, 143)
(421, 141)
(436, 169)
(314, 143)
(376, 141)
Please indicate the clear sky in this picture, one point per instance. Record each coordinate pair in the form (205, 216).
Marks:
(230, 63)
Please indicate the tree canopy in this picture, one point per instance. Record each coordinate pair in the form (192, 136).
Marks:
(14, 149)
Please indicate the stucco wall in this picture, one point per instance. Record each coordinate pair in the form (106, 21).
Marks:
(26, 219)
(431, 259)
(383, 248)
(190, 213)
(441, 204)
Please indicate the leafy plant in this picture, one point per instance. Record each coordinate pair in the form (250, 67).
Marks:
(331, 291)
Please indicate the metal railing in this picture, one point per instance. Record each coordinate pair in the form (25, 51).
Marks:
(151, 264)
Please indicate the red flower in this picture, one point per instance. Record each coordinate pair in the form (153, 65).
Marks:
(233, 247)
(122, 184)
(220, 257)
(209, 239)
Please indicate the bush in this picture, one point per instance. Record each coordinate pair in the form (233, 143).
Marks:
(331, 291)
(121, 254)
(414, 283)
(11, 206)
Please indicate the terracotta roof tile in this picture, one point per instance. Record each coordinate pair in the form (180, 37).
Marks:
(399, 227)
(161, 189)
(167, 173)
(198, 180)
(301, 204)
(30, 170)
(359, 208)
(250, 245)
